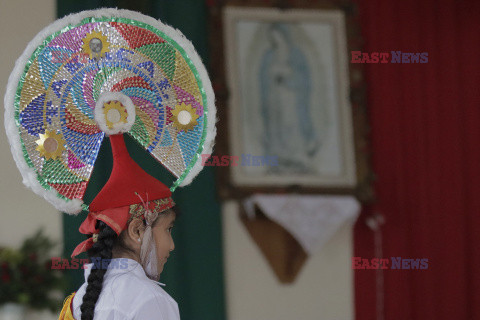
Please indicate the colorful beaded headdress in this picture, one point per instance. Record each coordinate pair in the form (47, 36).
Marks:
(104, 73)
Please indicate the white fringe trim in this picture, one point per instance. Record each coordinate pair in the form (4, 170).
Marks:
(29, 176)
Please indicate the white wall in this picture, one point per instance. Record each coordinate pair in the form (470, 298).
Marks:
(323, 289)
(22, 212)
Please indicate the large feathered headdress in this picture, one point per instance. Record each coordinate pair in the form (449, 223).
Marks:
(101, 73)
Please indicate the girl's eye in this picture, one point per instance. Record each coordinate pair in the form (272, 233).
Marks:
(170, 229)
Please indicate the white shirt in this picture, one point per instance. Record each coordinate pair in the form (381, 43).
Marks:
(128, 293)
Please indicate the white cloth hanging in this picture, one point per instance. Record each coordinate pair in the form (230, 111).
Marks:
(311, 219)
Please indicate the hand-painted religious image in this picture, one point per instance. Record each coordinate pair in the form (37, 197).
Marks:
(288, 79)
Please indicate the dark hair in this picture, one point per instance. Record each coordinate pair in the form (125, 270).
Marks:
(103, 250)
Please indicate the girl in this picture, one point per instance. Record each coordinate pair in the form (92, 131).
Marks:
(106, 73)
(130, 294)
(129, 243)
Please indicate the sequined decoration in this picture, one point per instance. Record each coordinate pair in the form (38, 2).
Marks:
(156, 206)
(114, 112)
(65, 76)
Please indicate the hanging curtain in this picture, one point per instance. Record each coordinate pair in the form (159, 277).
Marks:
(425, 129)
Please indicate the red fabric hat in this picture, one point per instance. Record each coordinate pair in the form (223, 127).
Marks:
(128, 185)
(126, 180)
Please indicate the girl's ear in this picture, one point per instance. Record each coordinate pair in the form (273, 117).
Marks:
(135, 231)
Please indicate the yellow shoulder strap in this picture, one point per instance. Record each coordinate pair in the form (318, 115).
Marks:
(66, 313)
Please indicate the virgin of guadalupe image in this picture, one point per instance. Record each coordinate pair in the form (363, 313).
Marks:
(289, 101)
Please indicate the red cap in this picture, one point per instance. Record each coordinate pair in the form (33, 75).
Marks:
(126, 181)
(128, 184)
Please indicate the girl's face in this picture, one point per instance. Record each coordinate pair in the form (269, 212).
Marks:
(162, 235)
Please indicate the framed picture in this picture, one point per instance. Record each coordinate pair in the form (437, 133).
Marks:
(289, 118)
